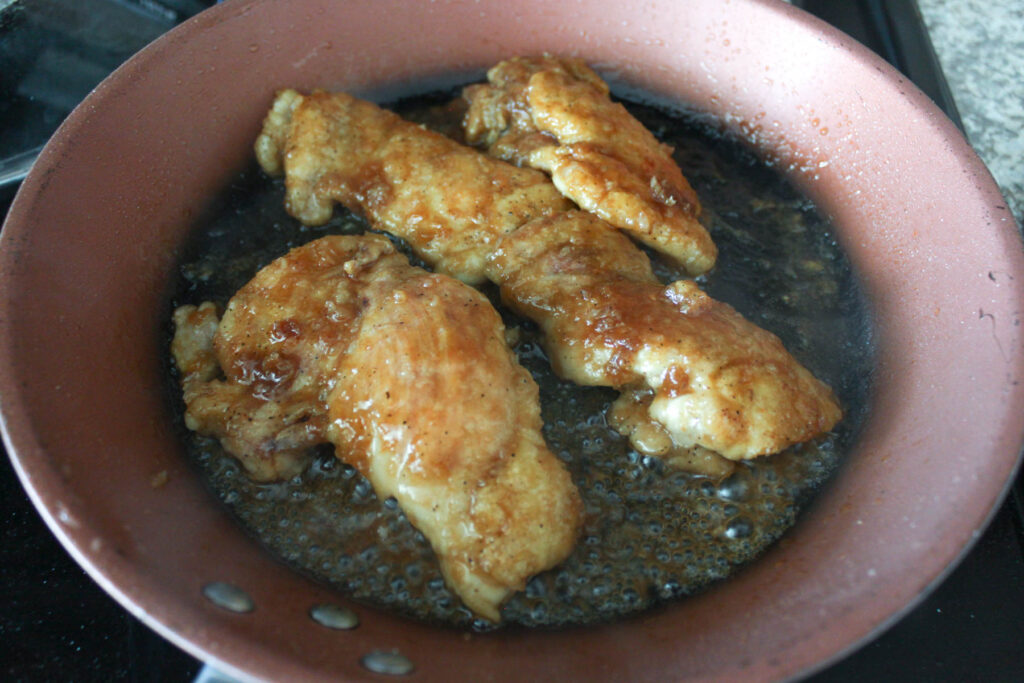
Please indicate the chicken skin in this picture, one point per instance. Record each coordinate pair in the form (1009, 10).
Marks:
(408, 375)
(452, 211)
(556, 115)
(697, 379)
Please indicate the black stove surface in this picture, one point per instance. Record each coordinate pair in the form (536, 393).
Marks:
(57, 624)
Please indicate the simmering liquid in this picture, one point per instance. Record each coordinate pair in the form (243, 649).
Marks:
(651, 534)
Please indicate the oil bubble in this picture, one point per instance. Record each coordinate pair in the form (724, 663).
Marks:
(740, 527)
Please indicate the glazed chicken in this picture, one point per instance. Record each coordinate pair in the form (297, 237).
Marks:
(408, 375)
(452, 211)
(696, 376)
(697, 379)
(556, 115)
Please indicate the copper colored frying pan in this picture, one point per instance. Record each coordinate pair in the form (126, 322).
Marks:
(90, 243)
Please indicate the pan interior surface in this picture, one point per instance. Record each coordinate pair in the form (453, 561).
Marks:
(652, 534)
(82, 382)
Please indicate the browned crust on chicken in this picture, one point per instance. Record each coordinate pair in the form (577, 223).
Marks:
(698, 369)
(408, 375)
(556, 115)
(695, 376)
(452, 211)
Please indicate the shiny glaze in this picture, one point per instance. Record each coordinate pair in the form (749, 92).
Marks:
(650, 534)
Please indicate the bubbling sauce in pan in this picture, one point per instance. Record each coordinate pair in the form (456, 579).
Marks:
(651, 533)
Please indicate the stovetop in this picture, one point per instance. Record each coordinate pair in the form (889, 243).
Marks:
(57, 624)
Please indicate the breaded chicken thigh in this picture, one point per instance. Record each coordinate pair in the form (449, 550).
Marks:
(408, 375)
(452, 211)
(693, 371)
(696, 377)
(556, 115)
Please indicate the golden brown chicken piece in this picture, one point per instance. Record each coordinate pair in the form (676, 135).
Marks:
(452, 211)
(269, 431)
(439, 414)
(408, 375)
(696, 377)
(693, 371)
(556, 115)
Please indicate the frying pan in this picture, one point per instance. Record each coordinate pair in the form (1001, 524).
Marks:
(90, 244)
